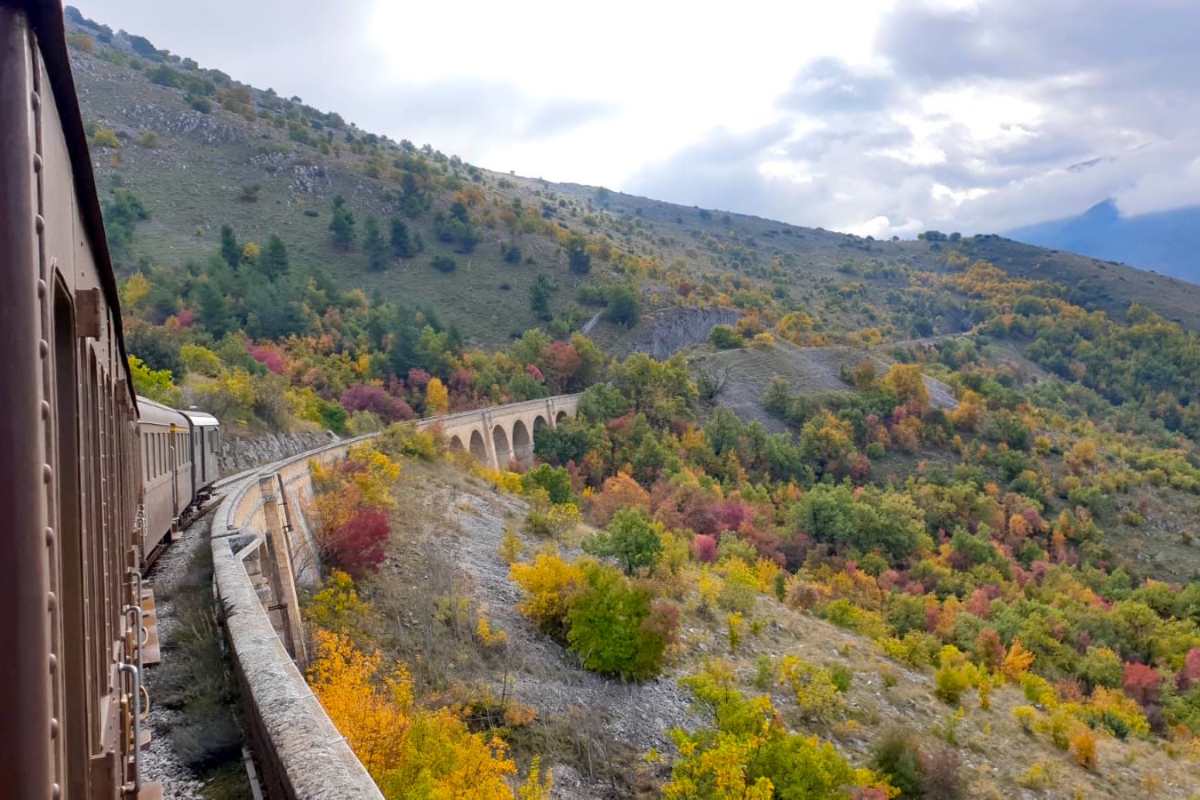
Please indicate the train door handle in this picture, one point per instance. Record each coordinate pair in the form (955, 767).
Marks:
(135, 674)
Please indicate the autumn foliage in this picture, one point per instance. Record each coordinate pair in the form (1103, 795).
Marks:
(409, 751)
(352, 508)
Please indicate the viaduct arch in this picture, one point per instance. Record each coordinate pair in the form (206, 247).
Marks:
(501, 435)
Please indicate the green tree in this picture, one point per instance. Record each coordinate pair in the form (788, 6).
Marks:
(157, 384)
(377, 249)
(341, 225)
(632, 538)
(231, 251)
(274, 261)
(214, 310)
(539, 298)
(578, 257)
(555, 480)
(607, 626)
(402, 243)
(624, 307)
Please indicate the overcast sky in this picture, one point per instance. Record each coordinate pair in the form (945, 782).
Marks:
(870, 116)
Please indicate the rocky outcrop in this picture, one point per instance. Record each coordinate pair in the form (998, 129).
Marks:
(672, 330)
(244, 452)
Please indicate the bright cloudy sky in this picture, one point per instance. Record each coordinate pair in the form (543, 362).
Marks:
(871, 116)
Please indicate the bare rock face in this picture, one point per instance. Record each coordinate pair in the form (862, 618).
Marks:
(674, 329)
(246, 452)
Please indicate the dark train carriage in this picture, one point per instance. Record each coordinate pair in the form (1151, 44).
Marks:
(166, 471)
(70, 477)
(205, 447)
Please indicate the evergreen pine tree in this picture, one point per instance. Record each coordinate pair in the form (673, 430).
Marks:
(377, 249)
(342, 224)
(230, 251)
(274, 261)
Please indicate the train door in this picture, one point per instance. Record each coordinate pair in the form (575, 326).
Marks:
(72, 648)
(202, 457)
(173, 465)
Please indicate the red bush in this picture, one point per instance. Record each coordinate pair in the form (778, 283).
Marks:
(560, 361)
(269, 356)
(1189, 676)
(704, 547)
(363, 397)
(731, 514)
(1141, 682)
(358, 546)
(417, 378)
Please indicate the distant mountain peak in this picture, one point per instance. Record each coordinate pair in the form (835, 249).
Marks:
(1165, 241)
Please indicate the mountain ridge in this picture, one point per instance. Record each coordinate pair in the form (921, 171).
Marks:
(1165, 241)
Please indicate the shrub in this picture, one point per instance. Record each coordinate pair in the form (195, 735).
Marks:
(1025, 716)
(898, 758)
(157, 384)
(624, 307)
(198, 358)
(955, 675)
(813, 688)
(704, 548)
(404, 439)
(751, 754)
(736, 624)
(510, 546)
(619, 491)
(358, 545)
(105, 137)
(1083, 748)
(1037, 777)
(724, 337)
(444, 264)
(940, 775)
(555, 480)
(606, 626)
(400, 744)
(549, 583)
(632, 538)
(1100, 666)
(1141, 683)
(366, 397)
(842, 677)
(337, 606)
(551, 520)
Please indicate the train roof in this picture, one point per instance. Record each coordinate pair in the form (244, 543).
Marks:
(201, 419)
(46, 19)
(151, 411)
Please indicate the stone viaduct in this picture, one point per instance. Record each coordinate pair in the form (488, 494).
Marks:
(500, 435)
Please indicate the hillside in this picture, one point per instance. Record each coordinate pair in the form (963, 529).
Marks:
(1166, 241)
(200, 151)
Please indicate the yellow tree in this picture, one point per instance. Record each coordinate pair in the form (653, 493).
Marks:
(908, 384)
(410, 752)
(437, 399)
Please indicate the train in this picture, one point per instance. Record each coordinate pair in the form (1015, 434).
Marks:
(94, 479)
